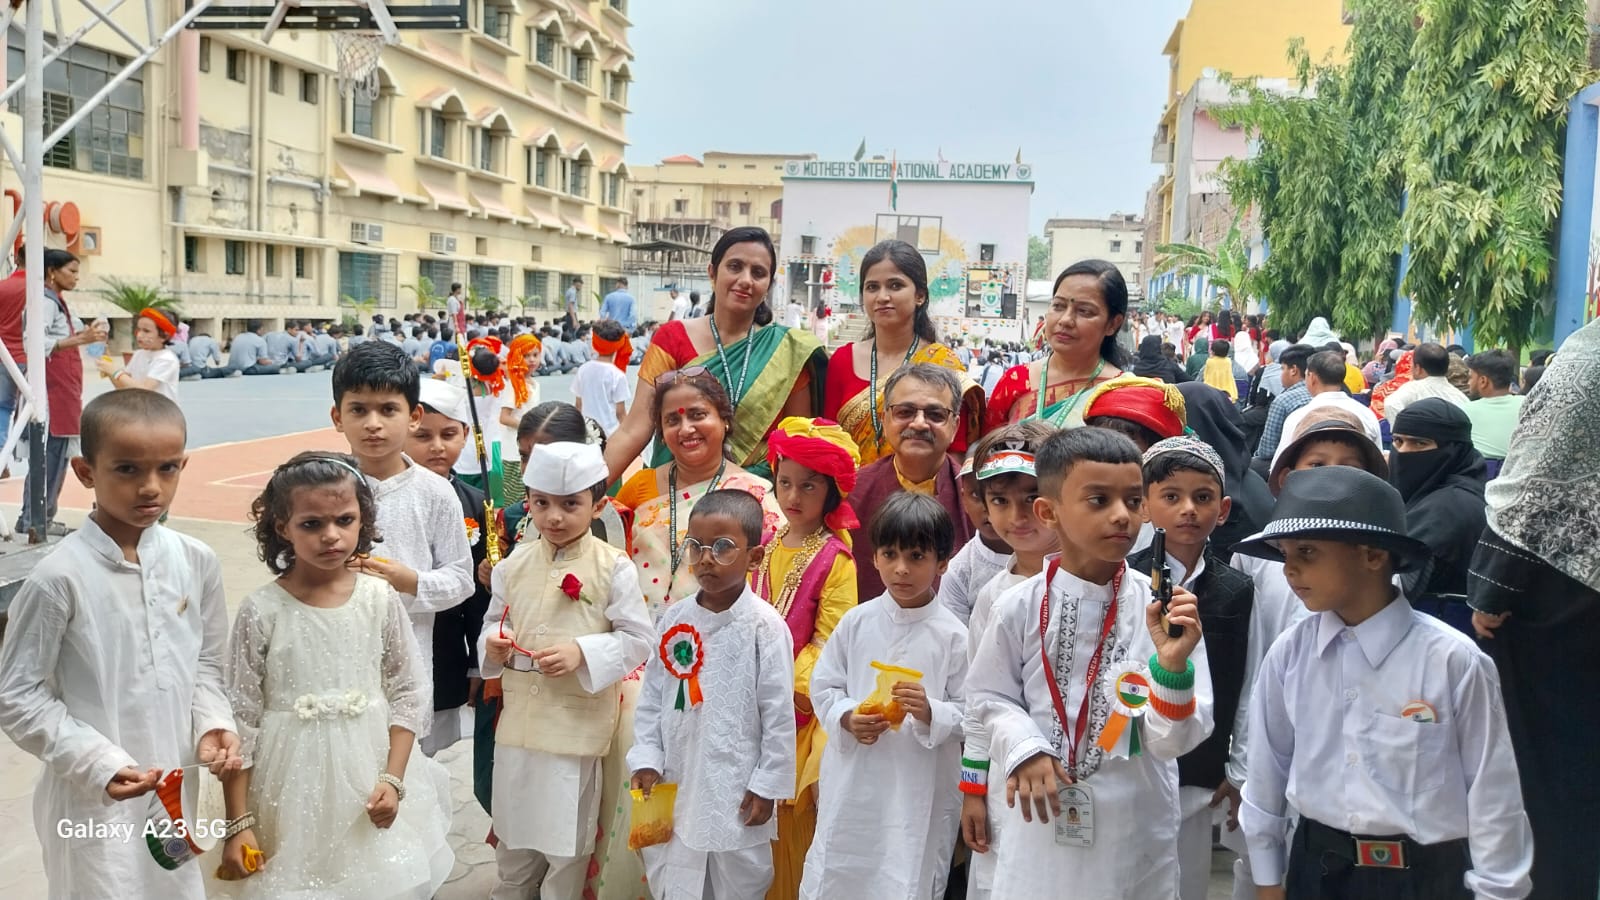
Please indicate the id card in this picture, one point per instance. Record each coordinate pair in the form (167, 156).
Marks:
(1075, 825)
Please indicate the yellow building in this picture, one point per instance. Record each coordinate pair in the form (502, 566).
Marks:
(492, 157)
(724, 190)
(1242, 38)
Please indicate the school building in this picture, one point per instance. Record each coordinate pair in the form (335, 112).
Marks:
(491, 156)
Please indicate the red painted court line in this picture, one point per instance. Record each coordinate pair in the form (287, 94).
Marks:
(219, 483)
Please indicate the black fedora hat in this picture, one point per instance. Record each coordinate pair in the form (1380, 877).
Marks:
(1339, 503)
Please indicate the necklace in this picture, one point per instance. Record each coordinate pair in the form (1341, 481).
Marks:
(672, 514)
(1044, 388)
(809, 549)
(735, 394)
(872, 384)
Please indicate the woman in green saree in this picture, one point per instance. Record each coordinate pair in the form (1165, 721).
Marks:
(770, 371)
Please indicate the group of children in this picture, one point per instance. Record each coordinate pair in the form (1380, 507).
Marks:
(1038, 692)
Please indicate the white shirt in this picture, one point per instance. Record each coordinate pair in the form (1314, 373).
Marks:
(972, 567)
(888, 812)
(419, 519)
(107, 664)
(739, 738)
(548, 801)
(488, 419)
(1335, 398)
(680, 307)
(794, 315)
(600, 385)
(1135, 800)
(508, 433)
(1421, 389)
(1331, 741)
(162, 365)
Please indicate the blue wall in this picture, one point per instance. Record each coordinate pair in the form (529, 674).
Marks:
(1577, 211)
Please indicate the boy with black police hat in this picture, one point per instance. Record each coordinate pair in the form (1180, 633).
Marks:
(1382, 727)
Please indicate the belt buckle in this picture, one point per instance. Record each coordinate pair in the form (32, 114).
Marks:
(521, 662)
(1372, 854)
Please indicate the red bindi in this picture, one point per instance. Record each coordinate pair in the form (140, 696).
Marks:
(681, 410)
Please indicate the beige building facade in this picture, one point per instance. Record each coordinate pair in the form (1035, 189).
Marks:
(721, 190)
(1118, 239)
(491, 157)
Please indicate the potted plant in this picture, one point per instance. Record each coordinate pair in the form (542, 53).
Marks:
(134, 296)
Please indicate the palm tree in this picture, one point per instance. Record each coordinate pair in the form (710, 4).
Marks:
(427, 294)
(1226, 269)
(133, 296)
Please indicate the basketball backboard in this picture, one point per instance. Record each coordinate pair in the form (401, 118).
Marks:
(330, 15)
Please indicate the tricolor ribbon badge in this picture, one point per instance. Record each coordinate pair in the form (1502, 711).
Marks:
(1129, 683)
(683, 653)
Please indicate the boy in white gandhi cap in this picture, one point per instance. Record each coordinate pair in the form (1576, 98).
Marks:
(566, 623)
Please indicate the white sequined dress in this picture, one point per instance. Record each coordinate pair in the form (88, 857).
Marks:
(315, 691)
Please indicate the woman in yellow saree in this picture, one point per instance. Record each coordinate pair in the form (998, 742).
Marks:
(769, 371)
(894, 293)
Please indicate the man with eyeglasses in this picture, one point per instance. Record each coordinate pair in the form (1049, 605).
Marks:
(919, 420)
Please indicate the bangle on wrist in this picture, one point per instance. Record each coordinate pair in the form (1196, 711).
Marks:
(243, 823)
(974, 776)
(394, 782)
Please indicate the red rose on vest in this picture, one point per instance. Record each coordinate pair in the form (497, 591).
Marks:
(572, 587)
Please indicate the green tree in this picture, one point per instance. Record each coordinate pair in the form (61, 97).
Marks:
(427, 293)
(1039, 258)
(133, 296)
(1226, 268)
(1485, 109)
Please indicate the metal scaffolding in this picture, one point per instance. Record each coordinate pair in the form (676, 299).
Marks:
(29, 166)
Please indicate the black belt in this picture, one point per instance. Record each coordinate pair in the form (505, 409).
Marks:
(1380, 851)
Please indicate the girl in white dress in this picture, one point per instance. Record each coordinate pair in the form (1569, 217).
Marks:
(330, 693)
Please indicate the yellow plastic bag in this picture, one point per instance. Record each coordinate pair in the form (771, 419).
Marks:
(652, 818)
(881, 701)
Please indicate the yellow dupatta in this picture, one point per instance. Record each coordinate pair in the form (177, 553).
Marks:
(855, 415)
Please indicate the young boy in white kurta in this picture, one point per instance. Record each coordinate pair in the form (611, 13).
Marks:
(1065, 652)
(719, 722)
(423, 551)
(112, 667)
(888, 806)
(566, 622)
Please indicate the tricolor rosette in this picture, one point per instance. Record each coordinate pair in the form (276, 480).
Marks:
(1129, 685)
(683, 653)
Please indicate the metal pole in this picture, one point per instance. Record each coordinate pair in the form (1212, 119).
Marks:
(32, 178)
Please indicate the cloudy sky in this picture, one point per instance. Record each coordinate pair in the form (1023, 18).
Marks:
(1077, 84)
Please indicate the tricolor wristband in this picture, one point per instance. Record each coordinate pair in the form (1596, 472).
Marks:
(974, 776)
(1172, 693)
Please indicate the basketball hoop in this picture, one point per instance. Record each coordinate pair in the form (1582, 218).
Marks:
(359, 52)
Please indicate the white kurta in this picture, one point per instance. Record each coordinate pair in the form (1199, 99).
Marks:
(420, 524)
(980, 871)
(1135, 800)
(888, 812)
(971, 567)
(109, 664)
(739, 738)
(546, 801)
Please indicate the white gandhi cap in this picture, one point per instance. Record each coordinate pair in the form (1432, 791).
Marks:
(564, 467)
(445, 399)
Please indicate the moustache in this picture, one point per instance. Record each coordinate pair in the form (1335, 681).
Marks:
(914, 434)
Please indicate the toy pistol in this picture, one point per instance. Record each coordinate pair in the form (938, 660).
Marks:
(1161, 579)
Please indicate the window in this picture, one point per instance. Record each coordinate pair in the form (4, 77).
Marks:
(1116, 246)
(922, 232)
(485, 280)
(611, 190)
(274, 76)
(1138, 246)
(544, 47)
(489, 150)
(272, 261)
(744, 208)
(233, 253)
(191, 253)
(110, 140)
(581, 66)
(310, 87)
(680, 207)
(620, 6)
(361, 117)
(494, 20)
(535, 286)
(439, 271)
(366, 276)
(299, 262)
(236, 65)
(438, 128)
(205, 54)
(578, 179)
(541, 170)
(722, 209)
(986, 253)
(808, 245)
(617, 88)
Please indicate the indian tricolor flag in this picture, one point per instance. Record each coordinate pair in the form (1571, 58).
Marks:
(894, 181)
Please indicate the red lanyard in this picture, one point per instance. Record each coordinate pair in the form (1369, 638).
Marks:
(1076, 735)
